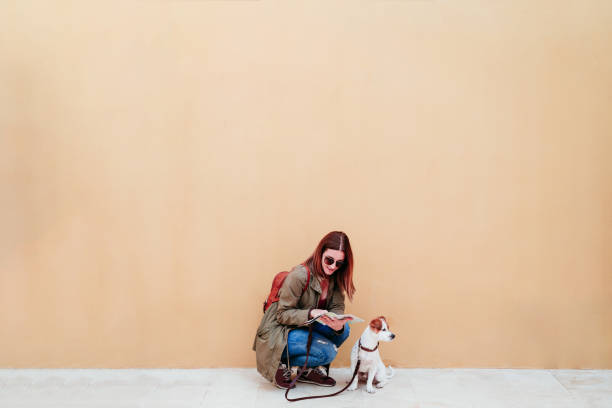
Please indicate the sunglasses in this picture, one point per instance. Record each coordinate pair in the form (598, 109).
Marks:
(330, 261)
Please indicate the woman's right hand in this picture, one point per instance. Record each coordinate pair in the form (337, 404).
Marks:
(317, 312)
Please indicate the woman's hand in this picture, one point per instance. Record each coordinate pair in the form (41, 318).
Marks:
(317, 312)
(333, 323)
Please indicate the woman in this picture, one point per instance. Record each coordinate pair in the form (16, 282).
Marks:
(280, 342)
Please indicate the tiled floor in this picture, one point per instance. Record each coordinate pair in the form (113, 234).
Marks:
(231, 387)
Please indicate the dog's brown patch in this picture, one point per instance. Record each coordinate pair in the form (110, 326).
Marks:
(377, 324)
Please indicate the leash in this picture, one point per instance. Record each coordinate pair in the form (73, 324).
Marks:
(304, 368)
(327, 395)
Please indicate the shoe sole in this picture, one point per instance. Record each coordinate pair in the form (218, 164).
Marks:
(284, 388)
(316, 383)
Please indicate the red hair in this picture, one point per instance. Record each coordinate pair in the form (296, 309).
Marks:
(339, 241)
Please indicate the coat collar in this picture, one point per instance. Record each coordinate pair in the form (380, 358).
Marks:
(316, 285)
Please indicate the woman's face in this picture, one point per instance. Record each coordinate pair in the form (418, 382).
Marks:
(333, 257)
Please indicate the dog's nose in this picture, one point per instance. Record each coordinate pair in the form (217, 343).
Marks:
(392, 336)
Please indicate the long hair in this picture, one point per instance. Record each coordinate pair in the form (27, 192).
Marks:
(337, 240)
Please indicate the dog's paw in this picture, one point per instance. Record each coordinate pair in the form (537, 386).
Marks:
(381, 384)
(370, 389)
(352, 387)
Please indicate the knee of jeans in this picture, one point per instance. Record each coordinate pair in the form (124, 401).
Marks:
(326, 350)
(329, 356)
(319, 356)
(316, 356)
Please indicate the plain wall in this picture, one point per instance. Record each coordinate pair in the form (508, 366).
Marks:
(160, 161)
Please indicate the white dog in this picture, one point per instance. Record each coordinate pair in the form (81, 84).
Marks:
(366, 350)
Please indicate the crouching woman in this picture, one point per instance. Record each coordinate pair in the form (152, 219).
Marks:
(310, 289)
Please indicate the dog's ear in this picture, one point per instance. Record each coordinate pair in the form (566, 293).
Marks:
(385, 319)
(376, 324)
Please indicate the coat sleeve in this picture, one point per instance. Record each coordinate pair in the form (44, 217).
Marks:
(289, 296)
(337, 301)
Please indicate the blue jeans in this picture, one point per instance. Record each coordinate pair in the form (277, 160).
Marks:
(324, 347)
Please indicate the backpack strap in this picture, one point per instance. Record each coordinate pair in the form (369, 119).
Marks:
(276, 285)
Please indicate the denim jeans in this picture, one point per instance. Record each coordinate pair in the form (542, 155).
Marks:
(324, 347)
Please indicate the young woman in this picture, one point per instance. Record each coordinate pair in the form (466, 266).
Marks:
(280, 342)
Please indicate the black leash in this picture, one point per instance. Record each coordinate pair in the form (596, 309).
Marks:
(304, 368)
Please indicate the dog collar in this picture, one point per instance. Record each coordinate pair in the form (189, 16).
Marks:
(367, 349)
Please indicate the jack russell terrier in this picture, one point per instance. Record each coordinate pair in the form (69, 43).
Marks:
(366, 350)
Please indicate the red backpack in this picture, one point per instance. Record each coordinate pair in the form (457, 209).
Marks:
(277, 282)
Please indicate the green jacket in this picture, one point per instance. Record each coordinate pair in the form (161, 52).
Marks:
(288, 313)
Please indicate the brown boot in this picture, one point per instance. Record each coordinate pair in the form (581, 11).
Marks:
(317, 375)
(282, 379)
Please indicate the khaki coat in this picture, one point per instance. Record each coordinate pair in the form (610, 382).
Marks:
(290, 312)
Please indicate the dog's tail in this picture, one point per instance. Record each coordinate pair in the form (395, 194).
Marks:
(391, 371)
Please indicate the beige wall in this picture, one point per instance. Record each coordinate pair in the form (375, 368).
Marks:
(161, 160)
